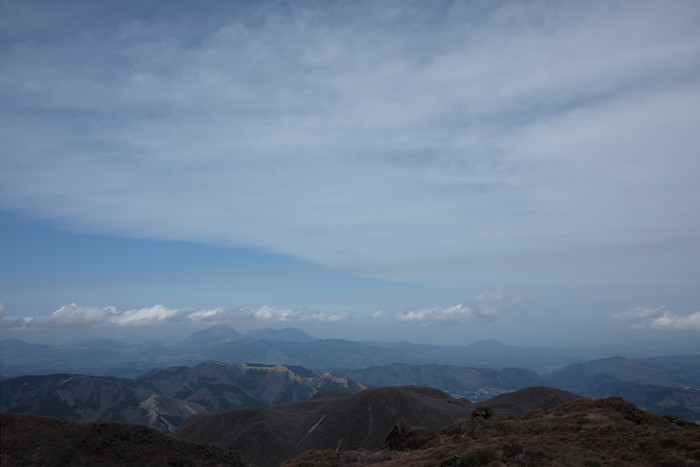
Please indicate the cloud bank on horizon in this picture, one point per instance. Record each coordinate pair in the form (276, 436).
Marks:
(489, 305)
(659, 318)
(480, 143)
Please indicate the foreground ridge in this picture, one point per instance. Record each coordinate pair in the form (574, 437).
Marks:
(586, 432)
(44, 441)
(345, 421)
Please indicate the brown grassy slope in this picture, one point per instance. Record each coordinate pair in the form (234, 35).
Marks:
(581, 433)
(44, 441)
(327, 421)
(528, 399)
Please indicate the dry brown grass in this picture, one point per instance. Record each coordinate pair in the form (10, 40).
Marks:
(44, 441)
(602, 432)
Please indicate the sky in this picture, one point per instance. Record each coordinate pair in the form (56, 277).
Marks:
(437, 172)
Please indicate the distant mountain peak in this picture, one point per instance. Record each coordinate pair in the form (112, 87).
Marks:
(288, 334)
(211, 335)
(488, 344)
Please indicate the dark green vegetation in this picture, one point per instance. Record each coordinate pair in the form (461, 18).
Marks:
(43, 441)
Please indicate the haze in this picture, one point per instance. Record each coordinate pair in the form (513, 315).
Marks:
(437, 172)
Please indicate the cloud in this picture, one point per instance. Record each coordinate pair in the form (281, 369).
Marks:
(431, 316)
(489, 305)
(409, 142)
(76, 316)
(73, 316)
(264, 314)
(659, 318)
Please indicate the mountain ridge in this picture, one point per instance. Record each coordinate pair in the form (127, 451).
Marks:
(341, 421)
(164, 398)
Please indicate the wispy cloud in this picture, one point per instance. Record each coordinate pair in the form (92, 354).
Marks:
(659, 318)
(412, 140)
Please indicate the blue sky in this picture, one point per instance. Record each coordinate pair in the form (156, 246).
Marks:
(432, 171)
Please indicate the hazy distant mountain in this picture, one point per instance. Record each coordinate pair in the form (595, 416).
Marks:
(582, 432)
(321, 353)
(165, 397)
(18, 357)
(292, 347)
(286, 334)
(674, 371)
(288, 346)
(105, 344)
(662, 385)
(490, 353)
(207, 337)
(44, 441)
(475, 384)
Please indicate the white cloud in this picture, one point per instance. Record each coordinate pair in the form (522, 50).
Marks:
(403, 142)
(659, 318)
(437, 315)
(488, 305)
(73, 316)
(264, 314)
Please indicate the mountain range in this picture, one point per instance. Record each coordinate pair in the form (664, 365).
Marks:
(165, 397)
(288, 346)
(134, 375)
(382, 427)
